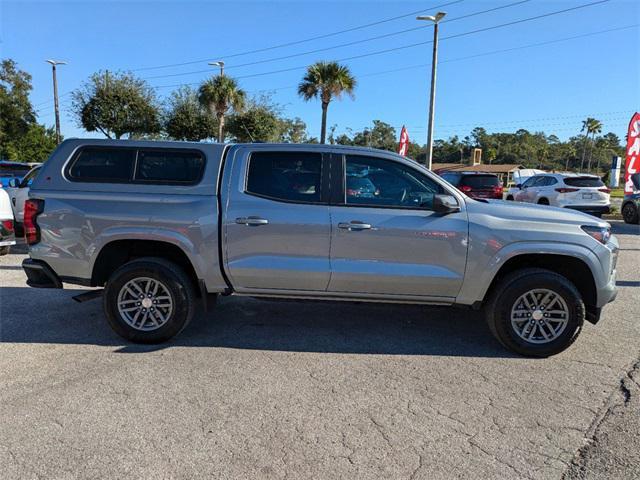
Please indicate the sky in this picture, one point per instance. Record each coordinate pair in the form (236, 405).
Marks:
(543, 74)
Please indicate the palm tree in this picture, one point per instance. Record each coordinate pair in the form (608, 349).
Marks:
(326, 80)
(219, 94)
(595, 127)
(589, 126)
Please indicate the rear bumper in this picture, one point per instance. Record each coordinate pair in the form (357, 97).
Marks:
(596, 209)
(40, 275)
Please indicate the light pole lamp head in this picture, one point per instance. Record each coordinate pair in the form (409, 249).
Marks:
(219, 63)
(432, 18)
(56, 62)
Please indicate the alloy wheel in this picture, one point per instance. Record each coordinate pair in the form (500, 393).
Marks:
(539, 316)
(145, 303)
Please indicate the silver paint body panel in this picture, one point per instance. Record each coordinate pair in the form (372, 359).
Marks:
(408, 256)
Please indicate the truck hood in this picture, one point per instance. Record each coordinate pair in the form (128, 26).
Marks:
(509, 210)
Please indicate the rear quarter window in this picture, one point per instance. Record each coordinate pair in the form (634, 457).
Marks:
(583, 182)
(98, 164)
(169, 166)
(157, 166)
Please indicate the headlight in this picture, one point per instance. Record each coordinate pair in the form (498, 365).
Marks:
(601, 234)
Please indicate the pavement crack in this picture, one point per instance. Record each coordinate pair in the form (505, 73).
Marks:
(621, 396)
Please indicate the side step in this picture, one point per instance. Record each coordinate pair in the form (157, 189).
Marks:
(90, 295)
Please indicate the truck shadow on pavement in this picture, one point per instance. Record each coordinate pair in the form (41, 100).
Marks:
(51, 317)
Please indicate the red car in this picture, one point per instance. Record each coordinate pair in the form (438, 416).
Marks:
(475, 184)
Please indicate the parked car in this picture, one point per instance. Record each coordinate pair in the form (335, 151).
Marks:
(18, 190)
(10, 170)
(519, 177)
(631, 202)
(577, 191)
(160, 225)
(7, 234)
(475, 184)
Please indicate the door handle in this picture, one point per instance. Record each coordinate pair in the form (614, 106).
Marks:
(252, 221)
(354, 225)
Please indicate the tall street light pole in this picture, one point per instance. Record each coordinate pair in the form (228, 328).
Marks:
(220, 64)
(55, 95)
(432, 98)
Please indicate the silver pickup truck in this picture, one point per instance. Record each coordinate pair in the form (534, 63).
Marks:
(161, 225)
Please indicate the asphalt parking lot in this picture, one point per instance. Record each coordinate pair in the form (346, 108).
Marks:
(258, 389)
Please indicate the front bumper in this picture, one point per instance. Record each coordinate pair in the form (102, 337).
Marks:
(40, 275)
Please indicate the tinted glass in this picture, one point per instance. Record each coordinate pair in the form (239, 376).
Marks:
(530, 181)
(169, 166)
(103, 164)
(452, 178)
(287, 176)
(28, 179)
(583, 182)
(480, 181)
(376, 182)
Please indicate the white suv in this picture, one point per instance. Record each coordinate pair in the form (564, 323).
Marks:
(586, 193)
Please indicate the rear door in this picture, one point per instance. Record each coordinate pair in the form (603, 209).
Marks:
(389, 242)
(276, 219)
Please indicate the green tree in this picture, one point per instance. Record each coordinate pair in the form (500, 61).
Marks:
(185, 119)
(326, 80)
(382, 136)
(16, 112)
(34, 146)
(221, 94)
(116, 104)
(295, 131)
(589, 126)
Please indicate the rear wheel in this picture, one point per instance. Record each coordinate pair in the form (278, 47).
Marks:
(510, 197)
(630, 213)
(543, 201)
(535, 312)
(149, 300)
(4, 250)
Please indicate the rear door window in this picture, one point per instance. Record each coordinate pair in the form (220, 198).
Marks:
(583, 182)
(99, 164)
(169, 166)
(480, 181)
(286, 176)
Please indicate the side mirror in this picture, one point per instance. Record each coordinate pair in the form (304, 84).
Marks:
(445, 204)
(635, 178)
(519, 186)
(14, 183)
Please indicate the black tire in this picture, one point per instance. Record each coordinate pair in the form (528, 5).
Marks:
(176, 282)
(510, 198)
(630, 213)
(5, 250)
(511, 288)
(543, 201)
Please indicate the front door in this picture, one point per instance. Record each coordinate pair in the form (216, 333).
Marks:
(276, 221)
(387, 240)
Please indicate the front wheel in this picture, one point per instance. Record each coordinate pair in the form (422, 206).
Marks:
(630, 213)
(149, 300)
(535, 312)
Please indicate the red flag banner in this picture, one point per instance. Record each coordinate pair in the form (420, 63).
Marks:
(403, 146)
(632, 164)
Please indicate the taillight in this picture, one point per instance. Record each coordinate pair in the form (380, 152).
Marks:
(8, 225)
(604, 190)
(32, 207)
(566, 190)
(465, 188)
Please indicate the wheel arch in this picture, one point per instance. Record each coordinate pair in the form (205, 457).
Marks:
(117, 252)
